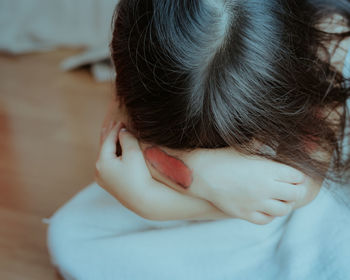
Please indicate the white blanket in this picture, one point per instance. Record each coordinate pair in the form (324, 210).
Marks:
(93, 237)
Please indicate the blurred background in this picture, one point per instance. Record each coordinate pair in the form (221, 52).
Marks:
(55, 82)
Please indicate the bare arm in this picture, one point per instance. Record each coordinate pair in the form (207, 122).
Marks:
(131, 182)
(206, 166)
(225, 171)
(161, 199)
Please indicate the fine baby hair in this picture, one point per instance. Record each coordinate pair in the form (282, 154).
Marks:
(210, 74)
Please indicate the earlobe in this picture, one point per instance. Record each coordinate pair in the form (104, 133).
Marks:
(169, 166)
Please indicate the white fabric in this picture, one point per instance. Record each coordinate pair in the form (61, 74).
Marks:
(93, 237)
(32, 25)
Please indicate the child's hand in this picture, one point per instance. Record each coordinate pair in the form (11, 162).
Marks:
(128, 179)
(250, 188)
(113, 113)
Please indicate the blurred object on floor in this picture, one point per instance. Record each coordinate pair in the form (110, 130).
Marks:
(97, 59)
(41, 25)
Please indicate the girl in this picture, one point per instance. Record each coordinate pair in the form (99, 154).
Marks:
(197, 75)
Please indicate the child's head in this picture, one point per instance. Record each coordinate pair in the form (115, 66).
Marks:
(216, 73)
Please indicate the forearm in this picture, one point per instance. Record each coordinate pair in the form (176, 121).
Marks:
(182, 208)
(154, 201)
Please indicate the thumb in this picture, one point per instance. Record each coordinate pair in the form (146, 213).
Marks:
(130, 146)
(108, 148)
(132, 154)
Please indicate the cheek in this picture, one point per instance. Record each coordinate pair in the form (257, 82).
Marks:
(169, 166)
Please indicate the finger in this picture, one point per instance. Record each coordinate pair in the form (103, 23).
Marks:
(260, 218)
(130, 147)
(277, 208)
(109, 146)
(287, 192)
(289, 174)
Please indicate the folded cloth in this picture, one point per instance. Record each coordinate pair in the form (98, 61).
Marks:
(94, 237)
(99, 60)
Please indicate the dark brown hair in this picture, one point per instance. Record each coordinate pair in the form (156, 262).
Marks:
(210, 74)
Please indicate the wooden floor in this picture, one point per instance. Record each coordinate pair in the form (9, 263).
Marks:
(49, 129)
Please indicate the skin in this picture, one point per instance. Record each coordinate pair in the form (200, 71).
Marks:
(169, 166)
(233, 191)
(127, 178)
(116, 113)
(194, 163)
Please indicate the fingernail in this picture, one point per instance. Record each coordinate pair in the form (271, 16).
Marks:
(123, 129)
